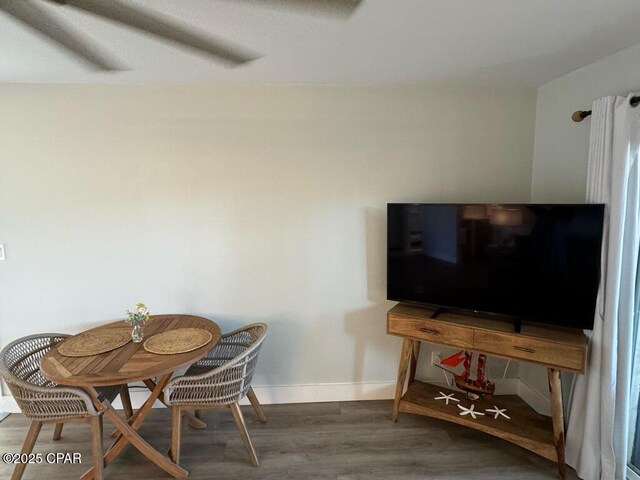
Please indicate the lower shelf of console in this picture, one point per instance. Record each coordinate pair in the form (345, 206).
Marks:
(526, 428)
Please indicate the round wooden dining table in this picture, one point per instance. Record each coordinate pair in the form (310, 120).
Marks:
(126, 364)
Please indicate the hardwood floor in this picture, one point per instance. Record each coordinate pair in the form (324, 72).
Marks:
(337, 441)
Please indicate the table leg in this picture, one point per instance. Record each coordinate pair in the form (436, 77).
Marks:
(557, 416)
(405, 356)
(135, 421)
(126, 401)
(415, 353)
(128, 434)
(151, 385)
(192, 419)
(126, 407)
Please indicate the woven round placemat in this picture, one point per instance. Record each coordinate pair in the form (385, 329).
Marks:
(180, 340)
(93, 343)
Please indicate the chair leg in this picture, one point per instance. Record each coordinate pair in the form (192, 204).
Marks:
(96, 437)
(256, 405)
(176, 430)
(57, 432)
(237, 416)
(27, 447)
(195, 420)
(126, 401)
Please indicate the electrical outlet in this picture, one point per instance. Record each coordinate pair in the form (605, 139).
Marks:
(436, 358)
(2, 257)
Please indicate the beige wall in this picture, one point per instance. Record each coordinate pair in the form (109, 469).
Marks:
(241, 204)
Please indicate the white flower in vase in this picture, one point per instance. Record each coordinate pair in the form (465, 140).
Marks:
(137, 318)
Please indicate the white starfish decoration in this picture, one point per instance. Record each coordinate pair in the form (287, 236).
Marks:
(498, 412)
(446, 397)
(469, 411)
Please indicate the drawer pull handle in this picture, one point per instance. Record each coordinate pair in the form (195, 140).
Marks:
(524, 349)
(432, 331)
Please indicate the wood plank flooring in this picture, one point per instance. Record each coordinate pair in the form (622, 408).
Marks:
(328, 441)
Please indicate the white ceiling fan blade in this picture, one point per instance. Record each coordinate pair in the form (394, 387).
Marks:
(338, 8)
(164, 28)
(43, 22)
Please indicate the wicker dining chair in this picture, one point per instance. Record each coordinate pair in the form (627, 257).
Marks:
(219, 380)
(43, 401)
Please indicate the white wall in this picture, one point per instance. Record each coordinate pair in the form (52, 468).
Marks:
(241, 204)
(561, 145)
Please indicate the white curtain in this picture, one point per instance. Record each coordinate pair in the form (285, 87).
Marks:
(598, 421)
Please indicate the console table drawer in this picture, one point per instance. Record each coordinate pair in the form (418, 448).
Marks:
(526, 348)
(431, 331)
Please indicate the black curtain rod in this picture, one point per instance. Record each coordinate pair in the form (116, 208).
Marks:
(582, 114)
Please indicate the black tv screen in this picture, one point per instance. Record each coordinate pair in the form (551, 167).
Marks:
(528, 261)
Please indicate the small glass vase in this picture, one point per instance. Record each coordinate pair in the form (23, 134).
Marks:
(136, 333)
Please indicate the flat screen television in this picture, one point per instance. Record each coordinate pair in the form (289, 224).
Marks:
(525, 261)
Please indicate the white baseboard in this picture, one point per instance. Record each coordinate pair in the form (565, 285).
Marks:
(334, 392)
(322, 392)
(325, 392)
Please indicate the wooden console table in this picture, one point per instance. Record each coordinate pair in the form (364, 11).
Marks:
(554, 347)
